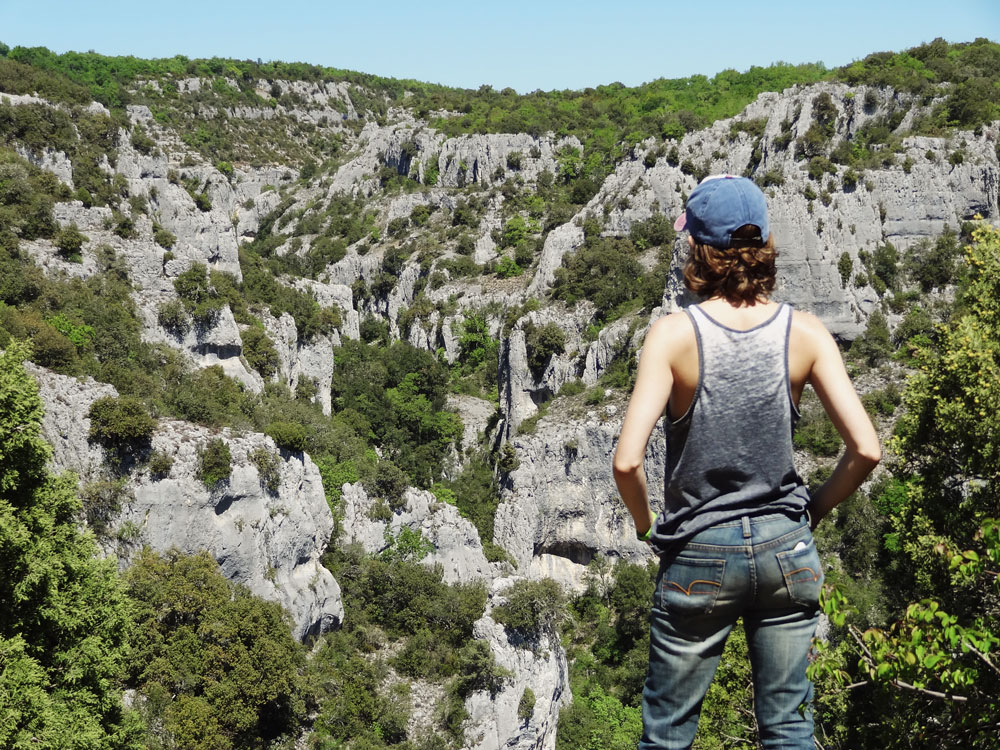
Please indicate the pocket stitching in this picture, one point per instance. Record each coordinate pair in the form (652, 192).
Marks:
(711, 596)
(687, 590)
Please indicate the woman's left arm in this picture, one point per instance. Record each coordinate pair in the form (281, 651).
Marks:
(649, 399)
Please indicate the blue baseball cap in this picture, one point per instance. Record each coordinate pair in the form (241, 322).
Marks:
(719, 206)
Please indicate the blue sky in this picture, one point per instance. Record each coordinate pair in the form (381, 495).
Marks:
(545, 44)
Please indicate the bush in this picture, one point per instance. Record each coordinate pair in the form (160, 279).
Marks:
(160, 464)
(875, 345)
(541, 343)
(163, 238)
(846, 267)
(215, 666)
(117, 422)
(173, 317)
(102, 500)
(260, 352)
(526, 706)
(70, 241)
(389, 483)
(532, 607)
(268, 465)
(289, 436)
(215, 463)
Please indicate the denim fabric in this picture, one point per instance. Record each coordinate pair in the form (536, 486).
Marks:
(765, 570)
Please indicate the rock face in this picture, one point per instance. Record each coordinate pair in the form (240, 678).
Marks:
(494, 723)
(268, 541)
(561, 508)
(457, 548)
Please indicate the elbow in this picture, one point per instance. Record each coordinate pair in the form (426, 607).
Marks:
(624, 467)
(870, 454)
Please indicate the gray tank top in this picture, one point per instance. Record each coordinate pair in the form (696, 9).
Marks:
(730, 454)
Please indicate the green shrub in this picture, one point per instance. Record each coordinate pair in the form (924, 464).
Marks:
(846, 267)
(289, 436)
(526, 706)
(873, 346)
(656, 230)
(102, 501)
(389, 483)
(117, 422)
(163, 238)
(215, 666)
(173, 317)
(260, 352)
(70, 241)
(160, 464)
(814, 432)
(541, 343)
(268, 465)
(215, 463)
(532, 607)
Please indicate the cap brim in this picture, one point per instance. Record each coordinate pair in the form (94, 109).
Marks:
(681, 222)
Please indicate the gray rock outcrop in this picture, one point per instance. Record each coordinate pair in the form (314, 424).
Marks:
(269, 541)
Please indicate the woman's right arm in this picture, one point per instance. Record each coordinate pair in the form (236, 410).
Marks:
(829, 378)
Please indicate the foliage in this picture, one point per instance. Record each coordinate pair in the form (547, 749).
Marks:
(201, 299)
(289, 436)
(604, 271)
(65, 621)
(932, 668)
(172, 316)
(397, 394)
(531, 607)
(268, 465)
(541, 343)
(526, 706)
(814, 432)
(214, 666)
(259, 350)
(934, 265)
(120, 422)
(214, 463)
(70, 241)
(873, 346)
(160, 463)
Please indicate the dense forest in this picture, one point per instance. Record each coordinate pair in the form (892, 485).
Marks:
(165, 651)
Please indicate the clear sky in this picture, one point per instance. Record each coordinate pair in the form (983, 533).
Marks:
(524, 44)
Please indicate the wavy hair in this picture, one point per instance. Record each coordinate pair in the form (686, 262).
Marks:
(743, 274)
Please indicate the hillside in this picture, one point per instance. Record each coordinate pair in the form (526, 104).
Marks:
(358, 338)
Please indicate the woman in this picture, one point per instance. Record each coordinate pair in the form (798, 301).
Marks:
(734, 537)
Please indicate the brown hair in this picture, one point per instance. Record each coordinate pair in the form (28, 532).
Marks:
(741, 274)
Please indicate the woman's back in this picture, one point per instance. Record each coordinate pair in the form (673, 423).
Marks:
(730, 451)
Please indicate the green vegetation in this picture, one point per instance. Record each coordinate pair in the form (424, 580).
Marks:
(214, 666)
(117, 422)
(65, 624)
(607, 272)
(214, 463)
(397, 395)
(917, 642)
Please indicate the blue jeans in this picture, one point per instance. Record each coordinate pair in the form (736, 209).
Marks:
(763, 569)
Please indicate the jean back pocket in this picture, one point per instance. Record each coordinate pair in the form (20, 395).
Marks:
(803, 573)
(690, 585)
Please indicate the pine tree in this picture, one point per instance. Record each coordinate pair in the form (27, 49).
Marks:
(64, 618)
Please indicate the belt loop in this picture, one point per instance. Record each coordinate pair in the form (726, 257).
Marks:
(746, 527)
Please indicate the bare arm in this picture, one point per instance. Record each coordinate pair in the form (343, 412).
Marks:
(833, 386)
(649, 398)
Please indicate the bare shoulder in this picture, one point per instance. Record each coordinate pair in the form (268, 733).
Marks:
(808, 332)
(807, 323)
(670, 326)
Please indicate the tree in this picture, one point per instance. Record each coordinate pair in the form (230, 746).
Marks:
(933, 672)
(65, 620)
(216, 666)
